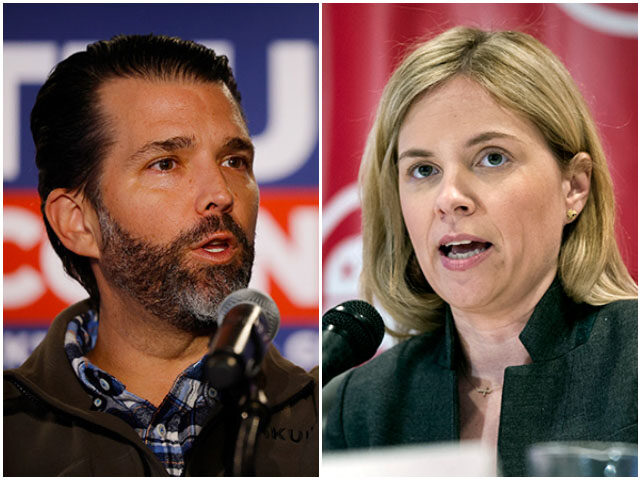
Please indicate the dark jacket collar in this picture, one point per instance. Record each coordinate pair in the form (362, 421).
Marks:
(556, 326)
(49, 373)
(448, 356)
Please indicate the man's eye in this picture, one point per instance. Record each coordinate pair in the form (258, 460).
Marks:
(164, 165)
(235, 162)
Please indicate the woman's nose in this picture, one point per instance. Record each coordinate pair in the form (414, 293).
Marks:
(454, 198)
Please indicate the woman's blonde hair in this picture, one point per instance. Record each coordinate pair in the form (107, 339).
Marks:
(525, 77)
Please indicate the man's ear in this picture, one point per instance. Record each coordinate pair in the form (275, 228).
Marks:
(577, 183)
(74, 221)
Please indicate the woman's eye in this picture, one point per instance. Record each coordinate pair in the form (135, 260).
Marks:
(493, 159)
(423, 171)
(164, 165)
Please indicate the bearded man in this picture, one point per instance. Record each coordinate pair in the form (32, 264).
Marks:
(149, 198)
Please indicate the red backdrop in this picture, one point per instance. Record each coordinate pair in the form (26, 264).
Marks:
(362, 43)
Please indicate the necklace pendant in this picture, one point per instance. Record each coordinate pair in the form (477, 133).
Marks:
(484, 391)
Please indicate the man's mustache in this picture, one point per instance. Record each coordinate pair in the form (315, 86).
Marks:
(210, 225)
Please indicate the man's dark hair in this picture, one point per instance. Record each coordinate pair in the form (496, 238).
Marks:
(70, 131)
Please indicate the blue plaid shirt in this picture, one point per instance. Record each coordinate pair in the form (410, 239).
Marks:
(170, 429)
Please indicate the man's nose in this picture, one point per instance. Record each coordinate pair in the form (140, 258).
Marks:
(455, 196)
(213, 192)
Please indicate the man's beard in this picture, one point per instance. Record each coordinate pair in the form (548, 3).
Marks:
(159, 279)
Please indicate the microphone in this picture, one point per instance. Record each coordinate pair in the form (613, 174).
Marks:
(351, 334)
(247, 322)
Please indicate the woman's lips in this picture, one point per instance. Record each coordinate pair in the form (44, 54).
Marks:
(464, 260)
(462, 251)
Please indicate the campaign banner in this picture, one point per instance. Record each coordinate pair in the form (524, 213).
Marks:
(273, 50)
(363, 43)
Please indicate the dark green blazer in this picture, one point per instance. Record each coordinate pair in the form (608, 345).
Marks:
(582, 385)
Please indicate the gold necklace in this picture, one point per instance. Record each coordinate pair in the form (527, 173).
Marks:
(483, 390)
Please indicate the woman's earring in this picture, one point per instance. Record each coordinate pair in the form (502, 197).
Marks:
(571, 214)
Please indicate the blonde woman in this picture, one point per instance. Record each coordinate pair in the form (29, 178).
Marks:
(488, 230)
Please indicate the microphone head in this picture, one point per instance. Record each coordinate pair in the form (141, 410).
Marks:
(360, 323)
(249, 296)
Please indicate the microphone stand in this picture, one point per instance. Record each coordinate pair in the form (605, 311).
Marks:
(233, 364)
(254, 414)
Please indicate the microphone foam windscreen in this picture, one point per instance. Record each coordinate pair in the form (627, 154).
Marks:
(360, 322)
(249, 296)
